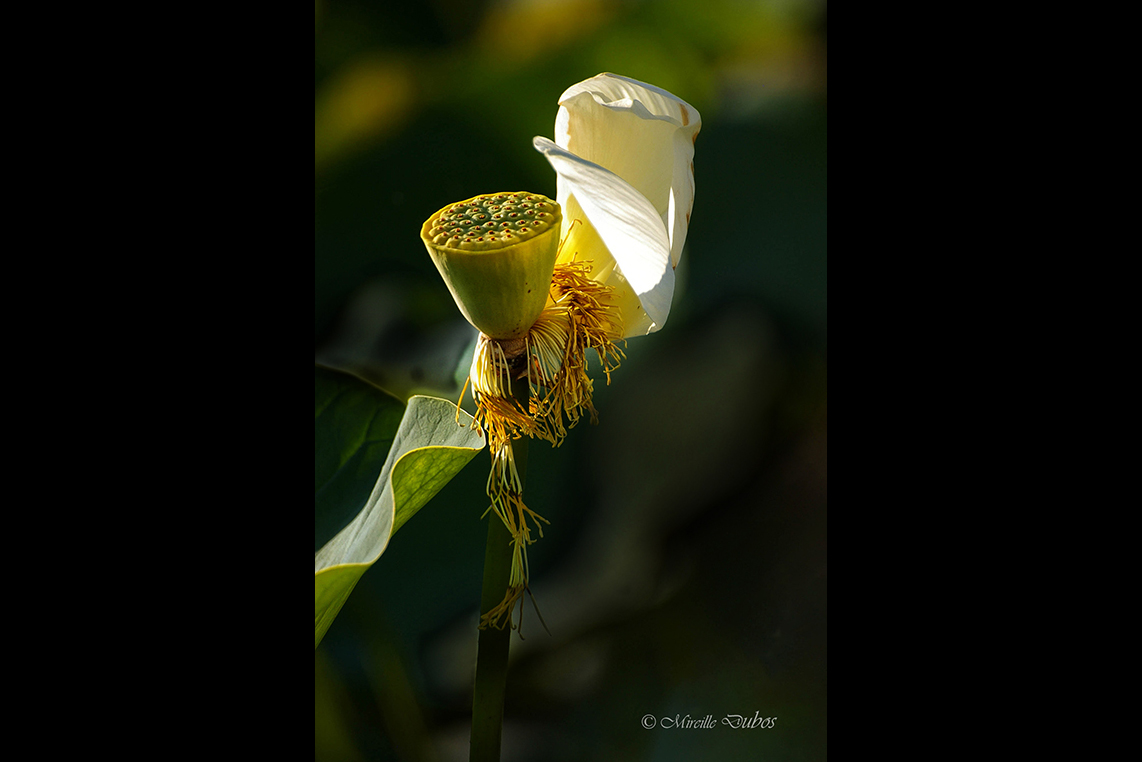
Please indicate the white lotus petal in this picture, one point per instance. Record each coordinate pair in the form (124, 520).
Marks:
(620, 231)
(643, 134)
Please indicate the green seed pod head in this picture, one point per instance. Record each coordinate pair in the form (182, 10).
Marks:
(496, 253)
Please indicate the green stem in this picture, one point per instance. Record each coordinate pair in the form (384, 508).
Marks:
(492, 653)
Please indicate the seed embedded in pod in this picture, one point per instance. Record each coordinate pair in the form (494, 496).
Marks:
(472, 219)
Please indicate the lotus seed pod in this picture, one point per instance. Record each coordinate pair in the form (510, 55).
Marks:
(496, 253)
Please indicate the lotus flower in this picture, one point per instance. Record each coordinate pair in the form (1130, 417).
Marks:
(623, 153)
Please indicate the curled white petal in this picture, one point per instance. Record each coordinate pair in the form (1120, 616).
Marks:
(620, 231)
(642, 133)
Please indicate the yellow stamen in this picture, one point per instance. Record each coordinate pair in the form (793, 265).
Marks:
(580, 315)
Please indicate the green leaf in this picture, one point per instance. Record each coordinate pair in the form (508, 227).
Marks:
(376, 463)
(354, 426)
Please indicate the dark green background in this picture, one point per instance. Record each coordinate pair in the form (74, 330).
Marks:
(684, 571)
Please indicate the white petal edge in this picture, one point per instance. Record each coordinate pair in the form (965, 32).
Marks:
(628, 224)
(650, 102)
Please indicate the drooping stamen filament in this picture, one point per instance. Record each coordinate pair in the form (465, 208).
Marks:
(580, 315)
